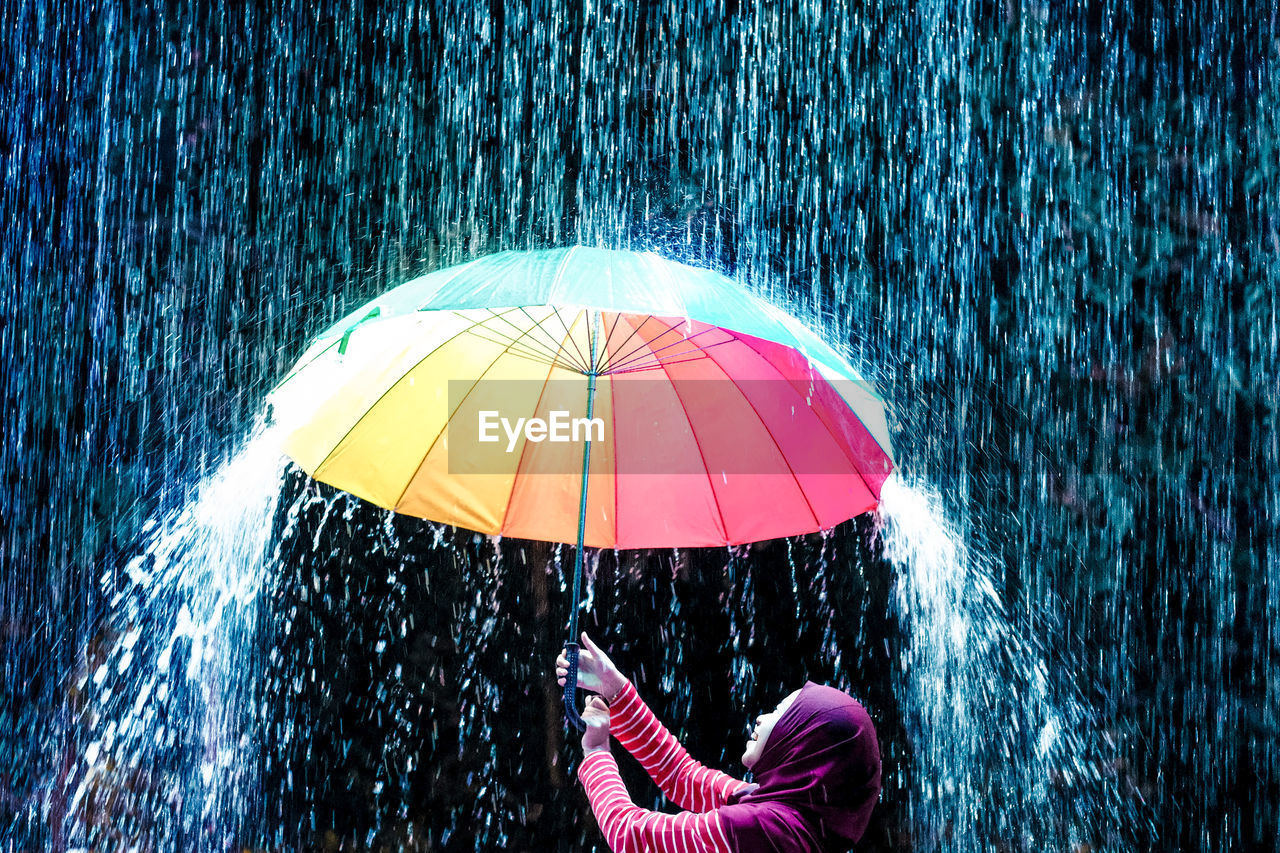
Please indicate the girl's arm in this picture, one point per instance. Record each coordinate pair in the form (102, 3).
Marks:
(685, 782)
(631, 829)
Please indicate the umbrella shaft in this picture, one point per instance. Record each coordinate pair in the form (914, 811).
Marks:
(582, 510)
(571, 680)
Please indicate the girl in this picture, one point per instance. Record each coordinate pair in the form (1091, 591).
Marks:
(815, 759)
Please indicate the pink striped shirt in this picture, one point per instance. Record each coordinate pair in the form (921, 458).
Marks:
(690, 785)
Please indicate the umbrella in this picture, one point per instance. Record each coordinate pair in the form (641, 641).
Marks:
(607, 398)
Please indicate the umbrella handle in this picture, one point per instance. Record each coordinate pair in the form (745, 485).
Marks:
(571, 688)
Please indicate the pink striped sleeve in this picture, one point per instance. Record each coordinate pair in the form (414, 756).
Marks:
(685, 782)
(630, 829)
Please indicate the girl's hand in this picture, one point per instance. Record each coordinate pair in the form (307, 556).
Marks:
(595, 671)
(596, 716)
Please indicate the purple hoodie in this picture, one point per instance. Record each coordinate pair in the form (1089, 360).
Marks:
(816, 781)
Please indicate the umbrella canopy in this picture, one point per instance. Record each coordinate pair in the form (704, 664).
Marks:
(715, 418)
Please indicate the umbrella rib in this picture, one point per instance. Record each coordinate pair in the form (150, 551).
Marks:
(510, 495)
(299, 368)
(853, 460)
(639, 362)
(643, 350)
(533, 344)
(382, 396)
(697, 348)
(658, 362)
(495, 336)
(724, 525)
(634, 329)
(604, 345)
(432, 446)
(769, 432)
(638, 351)
(532, 349)
(569, 335)
(556, 346)
(500, 340)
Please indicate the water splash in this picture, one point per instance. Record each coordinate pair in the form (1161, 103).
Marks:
(166, 708)
(999, 753)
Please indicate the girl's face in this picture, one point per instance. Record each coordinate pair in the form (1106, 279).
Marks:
(764, 725)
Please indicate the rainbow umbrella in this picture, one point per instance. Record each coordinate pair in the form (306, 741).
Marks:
(609, 398)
